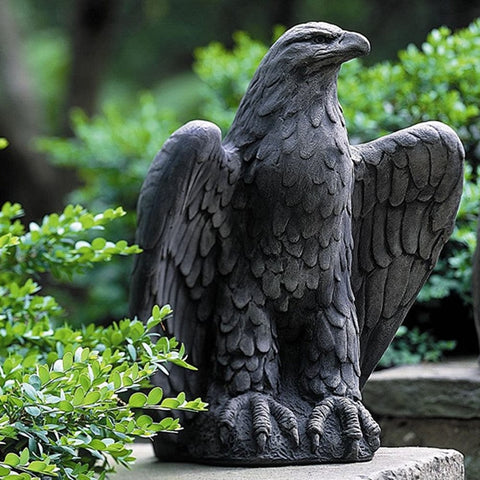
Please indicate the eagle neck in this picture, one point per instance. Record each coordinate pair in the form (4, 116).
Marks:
(299, 97)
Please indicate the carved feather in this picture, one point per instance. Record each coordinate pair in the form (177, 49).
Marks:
(410, 224)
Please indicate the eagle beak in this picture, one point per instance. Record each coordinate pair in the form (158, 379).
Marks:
(353, 45)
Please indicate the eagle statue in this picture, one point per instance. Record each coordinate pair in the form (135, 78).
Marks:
(290, 258)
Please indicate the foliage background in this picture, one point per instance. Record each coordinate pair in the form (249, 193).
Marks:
(89, 90)
(104, 83)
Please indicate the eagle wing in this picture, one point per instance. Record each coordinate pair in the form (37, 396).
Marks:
(407, 191)
(182, 211)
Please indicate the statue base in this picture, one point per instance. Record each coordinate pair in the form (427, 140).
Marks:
(406, 463)
(204, 440)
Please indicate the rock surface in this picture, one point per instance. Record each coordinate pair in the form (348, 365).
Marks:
(434, 405)
(407, 463)
(435, 390)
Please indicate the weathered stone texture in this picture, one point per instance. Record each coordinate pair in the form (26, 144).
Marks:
(463, 435)
(388, 464)
(445, 390)
(434, 405)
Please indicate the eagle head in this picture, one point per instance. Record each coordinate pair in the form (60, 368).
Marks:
(300, 67)
(316, 46)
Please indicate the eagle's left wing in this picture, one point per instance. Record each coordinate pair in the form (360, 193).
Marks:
(407, 191)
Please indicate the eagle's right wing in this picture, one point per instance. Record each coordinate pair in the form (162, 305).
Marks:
(407, 191)
(183, 213)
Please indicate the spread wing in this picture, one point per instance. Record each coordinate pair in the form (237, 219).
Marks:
(182, 212)
(406, 195)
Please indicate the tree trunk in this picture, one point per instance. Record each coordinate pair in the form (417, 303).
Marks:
(93, 28)
(283, 12)
(26, 176)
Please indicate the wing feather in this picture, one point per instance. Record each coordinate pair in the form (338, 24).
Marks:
(406, 195)
(184, 199)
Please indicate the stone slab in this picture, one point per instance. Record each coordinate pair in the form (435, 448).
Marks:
(459, 434)
(434, 405)
(408, 463)
(444, 390)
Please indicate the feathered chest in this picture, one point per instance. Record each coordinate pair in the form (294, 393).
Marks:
(303, 167)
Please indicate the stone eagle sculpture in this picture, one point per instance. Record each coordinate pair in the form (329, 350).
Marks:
(290, 258)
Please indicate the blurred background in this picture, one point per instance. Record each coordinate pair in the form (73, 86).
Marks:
(90, 89)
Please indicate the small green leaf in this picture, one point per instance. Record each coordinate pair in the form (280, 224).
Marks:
(144, 421)
(65, 406)
(37, 466)
(169, 424)
(4, 471)
(29, 391)
(78, 354)
(91, 397)
(97, 444)
(24, 456)
(12, 459)
(170, 403)
(132, 352)
(34, 381)
(85, 381)
(137, 400)
(156, 312)
(154, 396)
(43, 373)
(181, 398)
(99, 243)
(17, 476)
(33, 411)
(58, 366)
(78, 396)
(67, 360)
(85, 354)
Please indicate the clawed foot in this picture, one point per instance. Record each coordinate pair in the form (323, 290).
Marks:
(262, 408)
(255, 428)
(355, 423)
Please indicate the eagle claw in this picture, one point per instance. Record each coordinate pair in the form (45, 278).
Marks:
(262, 408)
(355, 423)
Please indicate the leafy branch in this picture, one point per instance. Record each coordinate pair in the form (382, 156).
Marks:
(72, 400)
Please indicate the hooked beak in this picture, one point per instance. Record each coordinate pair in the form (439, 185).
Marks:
(353, 45)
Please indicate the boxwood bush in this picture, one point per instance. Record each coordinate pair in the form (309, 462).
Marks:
(72, 400)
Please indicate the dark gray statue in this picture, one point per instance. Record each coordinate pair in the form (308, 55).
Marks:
(290, 258)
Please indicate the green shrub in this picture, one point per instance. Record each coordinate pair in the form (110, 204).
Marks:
(413, 346)
(65, 409)
(111, 153)
(226, 75)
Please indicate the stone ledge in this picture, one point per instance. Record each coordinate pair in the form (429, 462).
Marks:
(408, 463)
(444, 390)
(434, 405)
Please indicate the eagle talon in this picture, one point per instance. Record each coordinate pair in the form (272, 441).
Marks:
(355, 423)
(261, 439)
(261, 409)
(315, 439)
(353, 450)
(294, 435)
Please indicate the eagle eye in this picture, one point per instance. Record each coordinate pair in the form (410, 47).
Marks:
(320, 39)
